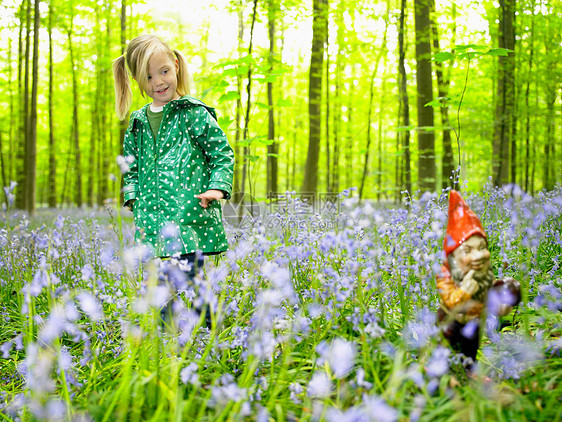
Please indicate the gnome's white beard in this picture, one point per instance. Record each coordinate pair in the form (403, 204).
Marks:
(484, 280)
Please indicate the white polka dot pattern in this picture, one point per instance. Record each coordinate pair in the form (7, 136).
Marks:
(190, 155)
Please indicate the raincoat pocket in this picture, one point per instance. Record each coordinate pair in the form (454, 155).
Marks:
(191, 212)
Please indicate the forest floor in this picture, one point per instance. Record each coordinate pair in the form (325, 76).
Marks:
(316, 314)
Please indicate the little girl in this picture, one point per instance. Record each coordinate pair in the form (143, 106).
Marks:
(182, 164)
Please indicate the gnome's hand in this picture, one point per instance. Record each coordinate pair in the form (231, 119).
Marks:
(469, 285)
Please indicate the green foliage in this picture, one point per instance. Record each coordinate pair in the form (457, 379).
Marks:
(468, 36)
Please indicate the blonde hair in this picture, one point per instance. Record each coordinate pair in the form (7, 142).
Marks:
(135, 59)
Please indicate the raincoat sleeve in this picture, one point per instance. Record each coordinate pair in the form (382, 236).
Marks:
(131, 176)
(218, 152)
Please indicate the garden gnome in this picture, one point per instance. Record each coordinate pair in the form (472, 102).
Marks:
(466, 281)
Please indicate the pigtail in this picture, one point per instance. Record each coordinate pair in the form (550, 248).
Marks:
(123, 93)
(184, 80)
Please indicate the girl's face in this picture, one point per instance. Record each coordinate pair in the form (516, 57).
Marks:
(162, 79)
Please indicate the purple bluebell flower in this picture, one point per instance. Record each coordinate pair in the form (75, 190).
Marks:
(319, 386)
(340, 357)
(189, 375)
(360, 379)
(419, 405)
(439, 363)
(87, 272)
(296, 390)
(470, 329)
(433, 386)
(125, 162)
(5, 349)
(419, 332)
(378, 410)
(353, 414)
(227, 390)
(90, 305)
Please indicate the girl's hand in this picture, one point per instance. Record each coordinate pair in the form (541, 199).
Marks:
(209, 196)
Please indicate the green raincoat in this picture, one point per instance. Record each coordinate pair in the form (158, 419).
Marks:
(189, 156)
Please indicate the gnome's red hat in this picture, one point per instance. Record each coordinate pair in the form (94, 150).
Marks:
(462, 224)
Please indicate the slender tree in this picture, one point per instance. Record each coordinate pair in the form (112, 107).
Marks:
(504, 94)
(531, 49)
(425, 130)
(328, 108)
(124, 122)
(52, 183)
(238, 188)
(75, 118)
(403, 177)
(23, 88)
(382, 52)
(273, 146)
(105, 114)
(337, 100)
(3, 166)
(92, 165)
(319, 28)
(248, 101)
(31, 139)
(13, 125)
(447, 160)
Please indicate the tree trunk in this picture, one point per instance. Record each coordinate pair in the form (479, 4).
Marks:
(2, 165)
(105, 137)
(527, 94)
(380, 137)
(319, 28)
(425, 130)
(349, 146)
(52, 184)
(93, 164)
(13, 125)
(549, 150)
(272, 148)
(75, 119)
(370, 118)
(337, 102)
(21, 199)
(31, 141)
(248, 103)
(447, 159)
(504, 95)
(403, 169)
(238, 188)
(329, 158)
(124, 123)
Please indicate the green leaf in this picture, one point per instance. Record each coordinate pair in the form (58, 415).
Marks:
(443, 56)
(224, 121)
(405, 128)
(470, 55)
(284, 102)
(252, 158)
(494, 52)
(461, 48)
(260, 139)
(436, 103)
(262, 105)
(229, 96)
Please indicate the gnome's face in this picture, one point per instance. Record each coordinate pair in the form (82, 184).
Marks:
(473, 254)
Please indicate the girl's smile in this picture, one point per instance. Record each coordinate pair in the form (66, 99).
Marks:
(162, 79)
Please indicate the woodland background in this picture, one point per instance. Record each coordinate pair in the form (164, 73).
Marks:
(316, 96)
